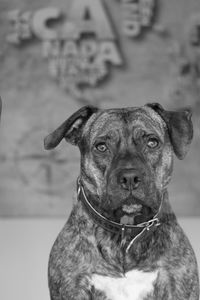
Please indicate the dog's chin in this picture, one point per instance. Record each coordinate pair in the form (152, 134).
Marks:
(132, 213)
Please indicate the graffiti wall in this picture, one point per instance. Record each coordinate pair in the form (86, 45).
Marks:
(56, 56)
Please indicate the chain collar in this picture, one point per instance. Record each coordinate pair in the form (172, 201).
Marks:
(115, 227)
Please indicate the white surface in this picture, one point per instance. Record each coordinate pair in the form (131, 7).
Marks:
(24, 250)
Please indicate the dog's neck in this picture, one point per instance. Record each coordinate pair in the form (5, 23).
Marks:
(109, 244)
(126, 235)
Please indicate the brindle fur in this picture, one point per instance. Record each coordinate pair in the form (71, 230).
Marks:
(83, 247)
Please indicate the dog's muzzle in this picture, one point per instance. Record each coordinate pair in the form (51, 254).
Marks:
(124, 230)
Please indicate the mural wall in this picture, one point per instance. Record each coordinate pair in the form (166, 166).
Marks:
(56, 56)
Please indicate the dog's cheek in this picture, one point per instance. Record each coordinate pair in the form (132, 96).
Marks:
(164, 169)
(94, 171)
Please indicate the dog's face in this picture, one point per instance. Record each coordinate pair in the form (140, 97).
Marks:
(126, 159)
(126, 156)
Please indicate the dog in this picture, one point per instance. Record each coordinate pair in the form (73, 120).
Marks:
(122, 239)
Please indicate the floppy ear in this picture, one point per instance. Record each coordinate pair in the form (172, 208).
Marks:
(179, 126)
(71, 129)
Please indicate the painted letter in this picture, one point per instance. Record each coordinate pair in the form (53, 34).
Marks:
(90, 17)
(39, 24)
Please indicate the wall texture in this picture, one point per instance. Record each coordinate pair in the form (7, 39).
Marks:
(162, 65)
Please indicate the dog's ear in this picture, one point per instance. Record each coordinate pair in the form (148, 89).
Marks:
(179, 126)
(71, 129)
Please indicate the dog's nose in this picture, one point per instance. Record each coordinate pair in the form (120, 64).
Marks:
(129, 179)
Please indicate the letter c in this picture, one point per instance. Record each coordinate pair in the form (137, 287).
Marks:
(39, 23)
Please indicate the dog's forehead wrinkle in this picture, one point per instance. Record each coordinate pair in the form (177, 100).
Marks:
(115, 122)
(155, 118)
(145, 127)
(107, 127)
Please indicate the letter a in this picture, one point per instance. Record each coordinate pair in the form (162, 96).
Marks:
(90, 17)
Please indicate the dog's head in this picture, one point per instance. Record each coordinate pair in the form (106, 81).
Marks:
(126, 156)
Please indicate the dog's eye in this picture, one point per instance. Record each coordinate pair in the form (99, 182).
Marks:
(101, 147)
(152, 142)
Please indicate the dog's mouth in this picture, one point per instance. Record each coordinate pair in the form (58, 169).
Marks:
(132, 214)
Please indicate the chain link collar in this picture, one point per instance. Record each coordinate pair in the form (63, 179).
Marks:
(115, 227)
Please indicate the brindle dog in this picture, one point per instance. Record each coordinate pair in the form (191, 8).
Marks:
(122, 239)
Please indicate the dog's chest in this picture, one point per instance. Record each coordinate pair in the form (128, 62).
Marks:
(136, 285)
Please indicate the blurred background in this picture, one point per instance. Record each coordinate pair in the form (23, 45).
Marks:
(56, 56)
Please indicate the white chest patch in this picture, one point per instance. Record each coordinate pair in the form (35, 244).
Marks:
(135, 285)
